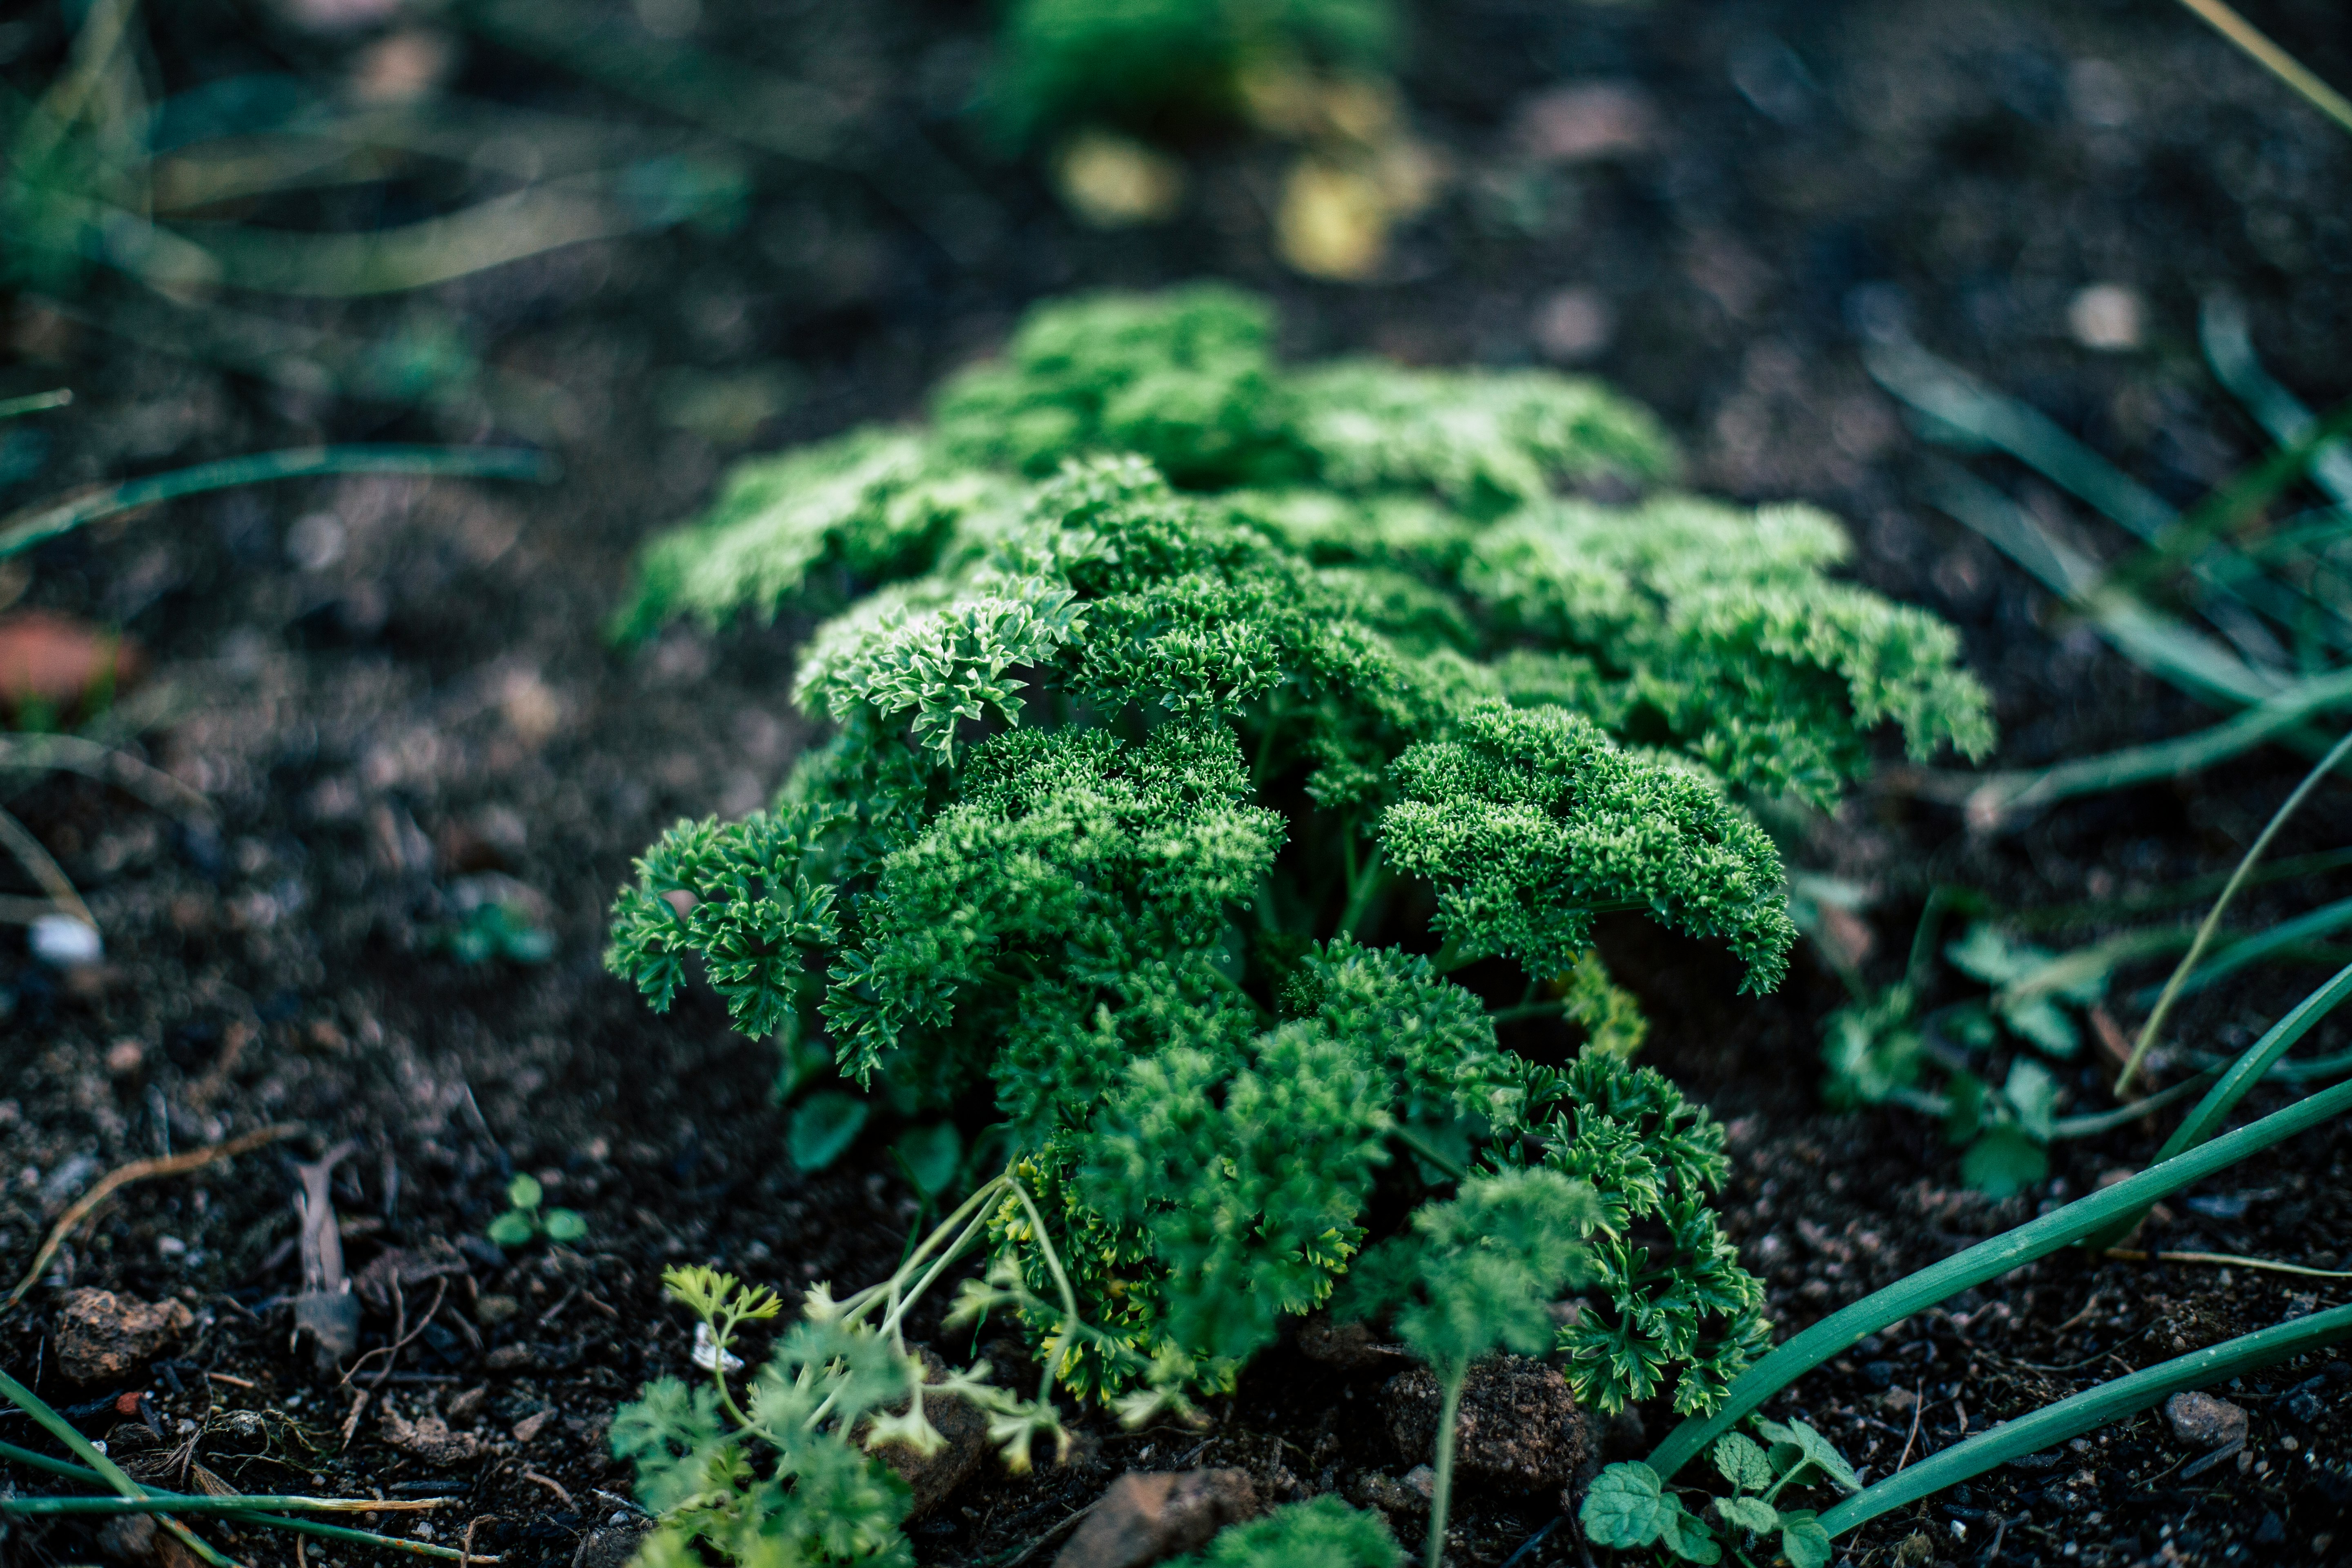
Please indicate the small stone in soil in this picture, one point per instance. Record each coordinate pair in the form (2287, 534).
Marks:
(2204, 1422)
(99, 1335)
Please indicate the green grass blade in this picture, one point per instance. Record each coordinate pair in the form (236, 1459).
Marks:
(34, 403)
(2091, 1408)
(2230, 350)
(35, 524)
(2248, 1070)
(2234, 505)
(73, 1472)
(2006, 792)
(104, 1469)
(2305, 928)
(1985, 1261)
(2212, 921)
(152, 1503)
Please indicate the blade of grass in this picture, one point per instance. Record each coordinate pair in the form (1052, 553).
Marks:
(2274, 59)
(73, 1472)
(34, 403)
(2092, 1407)
(35, 525)
(106, 1469)
(2286, 936)
(2233, 506)
(2229, 347)
(1989, 797)
(230, 1504)
(1985, 1261)
(2213, 917)
(2156, 643)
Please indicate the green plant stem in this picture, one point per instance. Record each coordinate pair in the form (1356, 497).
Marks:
(1442, 1490)
(2229, 509)
(1999, 794)
(2097, 1122)
(35, 524)
(2274, 59)
(2248, 1070)
(1985, 1261)
(34, 403)
(2091, 1408)
(104, 1468)
(2213, 916)
(152, 1503)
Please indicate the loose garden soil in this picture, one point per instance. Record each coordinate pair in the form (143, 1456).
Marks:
(396, 699)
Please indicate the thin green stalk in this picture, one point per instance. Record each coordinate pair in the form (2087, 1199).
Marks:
(2284, 940)
(2213, 917)
(2229, 508)
(2274, 59)
(2091, 1408)
(1442, 1490)
(34, 403)
(2092, 1125)
(35, 525)
(104, 1468)
(1985, 1261)
(2248, 1070)
(1999, 794)
(154, 1504)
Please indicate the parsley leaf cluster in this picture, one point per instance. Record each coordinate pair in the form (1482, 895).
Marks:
(1219, 749)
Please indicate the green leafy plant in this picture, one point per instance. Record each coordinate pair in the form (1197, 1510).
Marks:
(525, 1220)
(1322, 1533)
(797, 1470)
(1630, 1505)
(1214, 829)
(1162, 66)
(495, 931)
(1473, 1275)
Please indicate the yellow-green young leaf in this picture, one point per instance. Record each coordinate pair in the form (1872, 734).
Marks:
(1686, 1536)
(512, 1228)
(564, 1224)
(524, 1192)
(1748, 1512)
(1805, 1448)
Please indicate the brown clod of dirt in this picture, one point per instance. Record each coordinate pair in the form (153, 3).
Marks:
(136, 1540)
(966, 1431)
(1518, 1425)
(1144, 1518)
(56, 662)
(99, 1335)
(429, 1438)
(2203, 1420)
(611, 1546)
(1320, 1338)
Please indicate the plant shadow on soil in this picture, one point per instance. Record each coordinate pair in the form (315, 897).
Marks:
(388, 728)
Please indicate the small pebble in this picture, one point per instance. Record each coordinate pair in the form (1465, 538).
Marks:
(64, 942)
(2204, 1422)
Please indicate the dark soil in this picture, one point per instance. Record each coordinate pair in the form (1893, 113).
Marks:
(385, 712)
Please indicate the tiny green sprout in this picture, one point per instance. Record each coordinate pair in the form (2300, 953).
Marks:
(525, 1219)
(495, 931)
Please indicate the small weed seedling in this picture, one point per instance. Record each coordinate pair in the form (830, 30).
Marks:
(525, 1220)
(1631, 1506)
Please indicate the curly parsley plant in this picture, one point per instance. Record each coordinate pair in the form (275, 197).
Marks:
(1220, 750)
